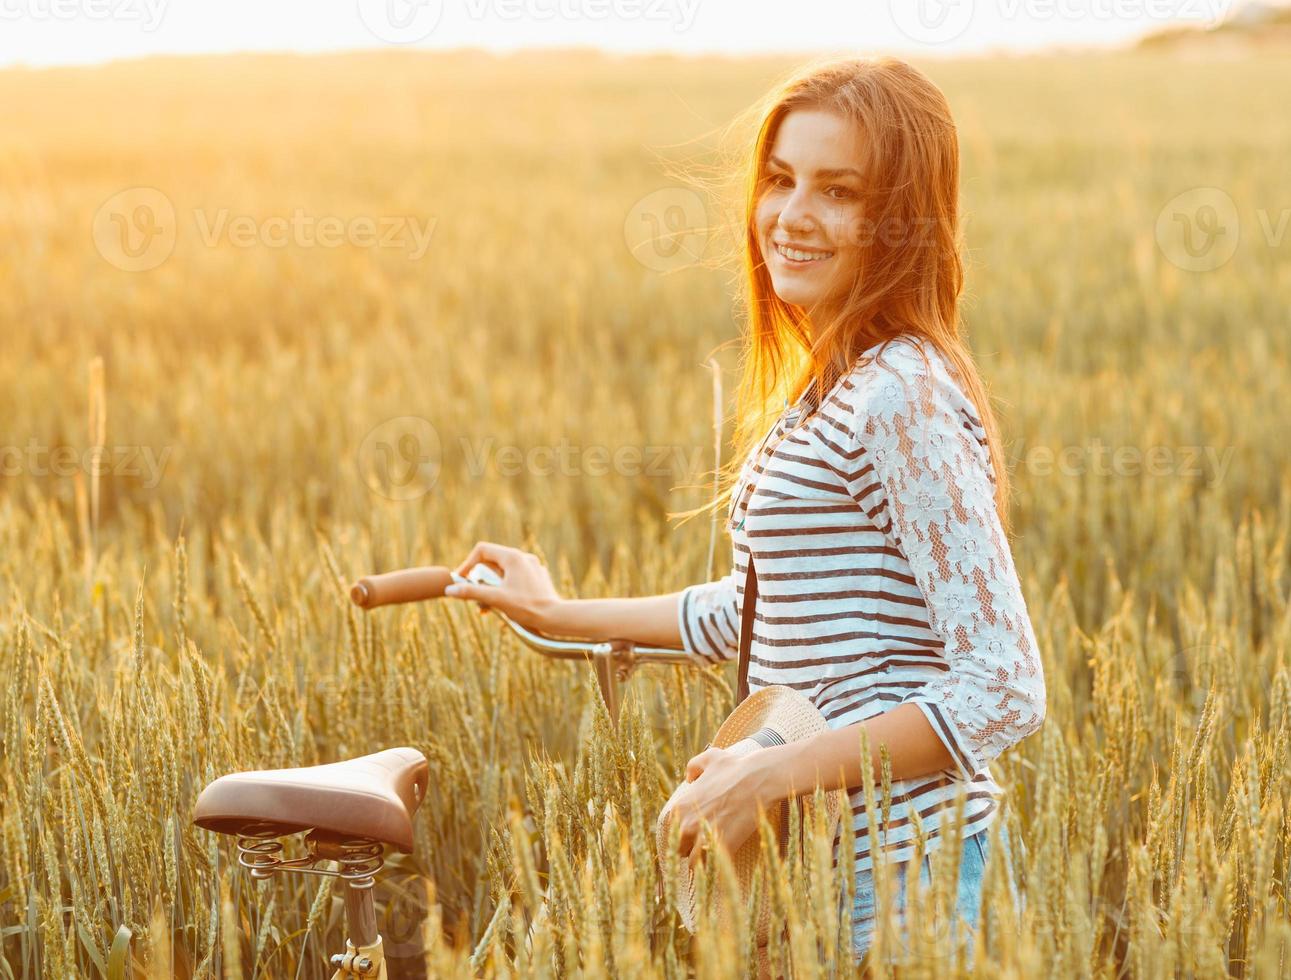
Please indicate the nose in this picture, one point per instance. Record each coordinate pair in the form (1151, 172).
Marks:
(796, 214)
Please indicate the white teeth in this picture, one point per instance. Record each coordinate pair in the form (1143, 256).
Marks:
(800, 256)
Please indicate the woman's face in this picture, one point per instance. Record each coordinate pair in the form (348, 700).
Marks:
(809, 206)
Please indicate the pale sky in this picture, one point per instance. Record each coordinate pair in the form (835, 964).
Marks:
(59, 32)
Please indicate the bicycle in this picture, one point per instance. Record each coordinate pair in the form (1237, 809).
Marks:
(350, 811)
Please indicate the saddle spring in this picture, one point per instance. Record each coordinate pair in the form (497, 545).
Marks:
(358, 859)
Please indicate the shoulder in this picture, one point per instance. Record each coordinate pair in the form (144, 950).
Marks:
(905, 379)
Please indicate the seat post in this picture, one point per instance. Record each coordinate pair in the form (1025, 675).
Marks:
(360, 914)
(364, 954)
(359, 859)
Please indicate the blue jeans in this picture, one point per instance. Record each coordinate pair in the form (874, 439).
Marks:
(972, 866)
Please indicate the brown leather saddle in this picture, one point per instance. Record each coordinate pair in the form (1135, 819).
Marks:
(372, 797)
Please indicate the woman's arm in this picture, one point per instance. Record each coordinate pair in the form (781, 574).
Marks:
(833, 759)
(701, 619)
(648, 620)
(934, 471)
(910, 441)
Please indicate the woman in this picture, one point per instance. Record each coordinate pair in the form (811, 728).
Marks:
(875, 508)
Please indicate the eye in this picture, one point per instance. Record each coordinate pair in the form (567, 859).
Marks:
(847, 192)
(777, 180)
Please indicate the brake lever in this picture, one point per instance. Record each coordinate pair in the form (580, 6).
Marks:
(480, 574)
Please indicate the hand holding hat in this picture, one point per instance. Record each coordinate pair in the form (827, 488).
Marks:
(724, 779)
(726, 788)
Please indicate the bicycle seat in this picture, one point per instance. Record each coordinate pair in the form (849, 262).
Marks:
(373, 796)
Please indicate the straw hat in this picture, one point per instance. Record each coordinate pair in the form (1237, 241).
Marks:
(770, 716)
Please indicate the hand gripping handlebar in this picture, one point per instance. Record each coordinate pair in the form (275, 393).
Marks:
(613, 660)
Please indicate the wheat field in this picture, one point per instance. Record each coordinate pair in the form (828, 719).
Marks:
(462, 250)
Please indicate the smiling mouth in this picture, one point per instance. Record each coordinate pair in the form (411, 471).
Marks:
(798, 256)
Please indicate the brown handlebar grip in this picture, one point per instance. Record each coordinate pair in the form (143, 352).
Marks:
(405, 585)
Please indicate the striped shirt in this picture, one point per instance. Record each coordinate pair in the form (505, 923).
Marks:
(884, 577)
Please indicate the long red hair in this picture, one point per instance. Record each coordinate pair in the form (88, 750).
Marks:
(911, 271)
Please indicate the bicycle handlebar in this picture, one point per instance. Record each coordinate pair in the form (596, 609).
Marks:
(405, 585)
(612, 659)
(429, 582)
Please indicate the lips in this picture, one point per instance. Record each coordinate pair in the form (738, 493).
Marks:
(797, 255)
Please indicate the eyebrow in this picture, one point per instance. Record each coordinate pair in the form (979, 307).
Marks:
(775, 161)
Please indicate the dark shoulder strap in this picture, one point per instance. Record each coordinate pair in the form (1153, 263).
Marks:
(810, 403)
(746, 631)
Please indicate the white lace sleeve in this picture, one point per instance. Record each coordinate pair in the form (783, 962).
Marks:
(934, 475)
(708, 616)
